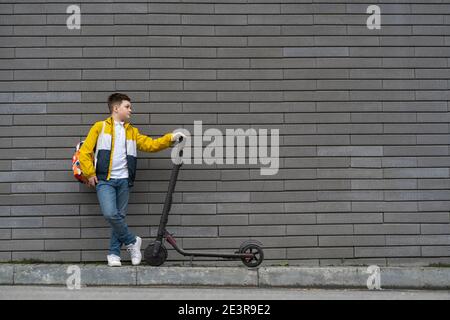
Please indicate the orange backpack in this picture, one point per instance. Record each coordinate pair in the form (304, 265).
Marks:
(76, 168)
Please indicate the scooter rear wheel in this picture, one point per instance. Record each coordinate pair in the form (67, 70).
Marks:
(253, 248)
(157, 260)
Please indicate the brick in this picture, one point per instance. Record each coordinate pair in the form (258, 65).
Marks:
(227, 231)
(5, 165)
(313, 52)
(7, 52)
(280, 41)
(417, 195)
(186, 208)
(81, 85)
(222, 220)
(351, 241)
(6, 120)
(415, 172)
(222, 63)
(384, 184)
(216, 19)
(6, 257)
(317, 207)
(249, 74)
(249, 207)
(414, 150)
(216, 197)
(436, 251)
(21, 245)
(75, 244)
(432, 161)
(387, 251)
(250, 186)
(433, 184)
(47, 256)
(45, 210)
(5, 234)
(5, 143)
(399, 240)
(189, 231)
(434, 228)
(277, 218)
(180, 30)
(408, 261)
(358, 217)
(48, 52)
(21, 176)
(44, 187)
(17, 131)
(348, 62)
(247, 30)
(182, 96)
(16, 222)
(5, 210)
(214, 41)
(196, 8)
(249, 52)
(349, 195)
(349, 173)
(319, 229)
(48, 97)
(256, 19)
(315, 253)
(22, 154)
(216, 85)
(414, 128)
(60, 222)
(116, 52)
(381, 51)
(252, 118)
(14, 199)
(387, 229)
(5, 188)
(45, 233)
(370, 206)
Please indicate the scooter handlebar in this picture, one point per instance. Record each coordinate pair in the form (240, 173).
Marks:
(178, 152)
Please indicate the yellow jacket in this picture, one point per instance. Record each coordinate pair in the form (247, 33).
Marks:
(96, 153)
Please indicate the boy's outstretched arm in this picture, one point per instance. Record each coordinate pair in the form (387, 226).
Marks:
(147, 144)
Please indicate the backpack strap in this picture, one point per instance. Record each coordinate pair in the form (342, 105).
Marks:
(100, 136)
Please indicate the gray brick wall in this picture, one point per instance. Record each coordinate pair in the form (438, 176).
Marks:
(363, 118)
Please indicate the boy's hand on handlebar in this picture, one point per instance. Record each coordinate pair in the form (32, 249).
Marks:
(178, 136)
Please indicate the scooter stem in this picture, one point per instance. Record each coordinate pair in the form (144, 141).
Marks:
(168, 202)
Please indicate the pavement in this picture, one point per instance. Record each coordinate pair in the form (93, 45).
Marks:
(373, 277)
(217, 293)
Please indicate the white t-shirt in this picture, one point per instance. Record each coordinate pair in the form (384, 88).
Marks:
(119, 163)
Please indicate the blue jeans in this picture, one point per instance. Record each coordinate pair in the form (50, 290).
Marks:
(113, 198)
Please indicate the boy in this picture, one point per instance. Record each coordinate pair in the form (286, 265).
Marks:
(114, 169)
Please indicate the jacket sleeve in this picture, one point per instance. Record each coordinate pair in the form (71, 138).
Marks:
(147, 144)
(87, 151)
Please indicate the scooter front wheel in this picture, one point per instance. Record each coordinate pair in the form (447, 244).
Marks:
(254, 249)
(157, 260)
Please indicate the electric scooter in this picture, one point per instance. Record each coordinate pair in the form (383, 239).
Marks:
(250, 252)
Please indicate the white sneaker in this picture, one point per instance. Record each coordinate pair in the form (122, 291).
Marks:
(113, 260)
(135, 251)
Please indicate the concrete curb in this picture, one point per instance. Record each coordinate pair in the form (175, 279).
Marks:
(197, 276)
(299, 277)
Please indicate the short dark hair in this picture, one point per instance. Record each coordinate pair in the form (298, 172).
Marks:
(116, 98)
